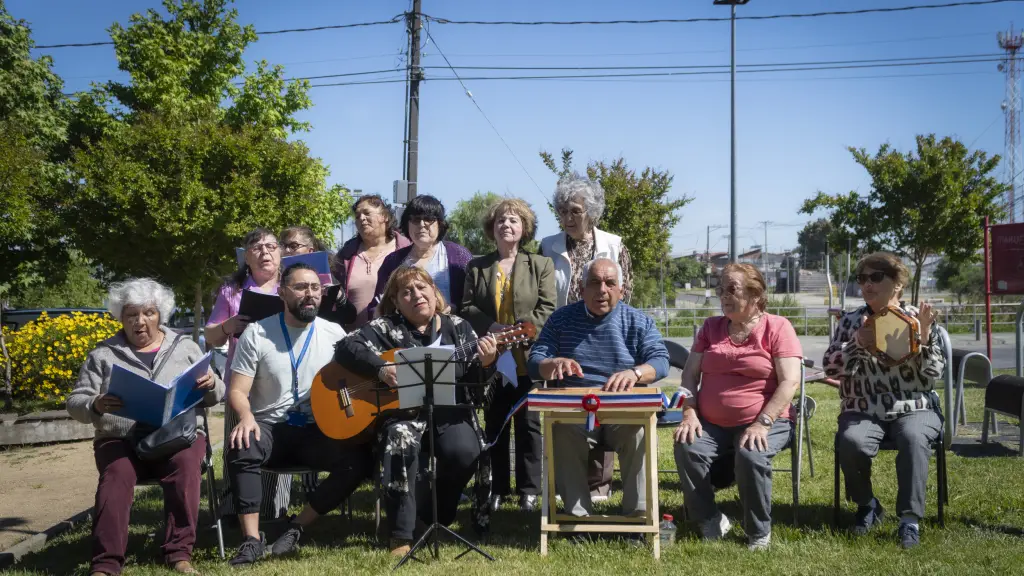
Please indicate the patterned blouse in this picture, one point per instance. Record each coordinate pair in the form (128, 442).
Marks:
(885, 392)
(582, 251)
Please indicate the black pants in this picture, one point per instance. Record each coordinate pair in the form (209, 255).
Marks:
(528, 442)
(280, 446)
(404, 449)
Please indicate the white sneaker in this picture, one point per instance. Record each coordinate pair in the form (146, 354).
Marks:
(715, 528)
(761, 543)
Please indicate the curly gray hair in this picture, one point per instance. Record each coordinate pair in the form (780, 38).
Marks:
(588, 192)
(141, 292)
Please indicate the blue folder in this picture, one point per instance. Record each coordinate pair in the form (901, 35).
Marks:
(152, 403)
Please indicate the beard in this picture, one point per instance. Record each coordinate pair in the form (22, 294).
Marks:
(304, 310)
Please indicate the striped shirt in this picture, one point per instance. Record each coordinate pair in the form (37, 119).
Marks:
(620, 340)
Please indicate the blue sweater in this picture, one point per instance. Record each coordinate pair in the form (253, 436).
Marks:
(622, 339)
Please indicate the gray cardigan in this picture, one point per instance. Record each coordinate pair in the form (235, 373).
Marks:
(94, 378)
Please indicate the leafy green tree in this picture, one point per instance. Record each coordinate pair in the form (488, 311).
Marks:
(929, 201)
(464, 222)
(79, 289)
(178, 164)
(637, 207)
(961, 278)
(813, 241)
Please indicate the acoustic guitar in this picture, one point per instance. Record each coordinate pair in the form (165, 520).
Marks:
(346, 405)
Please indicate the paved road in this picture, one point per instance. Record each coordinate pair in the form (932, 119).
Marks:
(1002, 347)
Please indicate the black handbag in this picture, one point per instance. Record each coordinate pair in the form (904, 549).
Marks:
(152, 444)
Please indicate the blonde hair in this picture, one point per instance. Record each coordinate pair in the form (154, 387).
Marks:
(888, 264)
(514, 206)
(398, 279)
(753, 282)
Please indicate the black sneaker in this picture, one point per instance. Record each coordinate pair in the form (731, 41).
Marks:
(868, 516)
(909, 536)
(251, 551)
(287, 542)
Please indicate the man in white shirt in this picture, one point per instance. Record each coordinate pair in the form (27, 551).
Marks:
(275, 362)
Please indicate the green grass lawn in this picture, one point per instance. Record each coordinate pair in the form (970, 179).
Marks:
(984, 532)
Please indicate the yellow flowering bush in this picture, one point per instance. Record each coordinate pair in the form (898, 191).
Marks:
(47, 353)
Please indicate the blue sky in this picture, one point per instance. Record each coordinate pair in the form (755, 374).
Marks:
(793, 128)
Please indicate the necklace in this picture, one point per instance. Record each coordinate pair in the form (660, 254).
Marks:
(741, 334)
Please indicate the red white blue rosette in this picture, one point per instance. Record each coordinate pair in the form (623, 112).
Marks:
(591, 404)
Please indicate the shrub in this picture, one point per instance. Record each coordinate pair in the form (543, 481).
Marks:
(47, 353)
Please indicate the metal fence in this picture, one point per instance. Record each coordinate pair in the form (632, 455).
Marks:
(813, 320)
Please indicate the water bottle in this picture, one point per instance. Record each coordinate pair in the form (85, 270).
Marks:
(667, 530)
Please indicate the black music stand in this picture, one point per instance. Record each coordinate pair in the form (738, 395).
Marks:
(433, 531)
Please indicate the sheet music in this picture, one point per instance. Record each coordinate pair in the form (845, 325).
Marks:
(444, 376)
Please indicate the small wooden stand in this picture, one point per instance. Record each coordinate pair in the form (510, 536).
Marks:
(564, 406)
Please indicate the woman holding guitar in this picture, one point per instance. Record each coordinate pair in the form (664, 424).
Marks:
(410, 315)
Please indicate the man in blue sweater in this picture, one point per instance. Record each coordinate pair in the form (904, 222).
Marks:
(602, 343)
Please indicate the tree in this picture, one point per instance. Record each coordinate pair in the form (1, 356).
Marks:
(178, 164)
(637, 207)
(922, 203)
(960, 278)
(813, 240)
(80, 288)
(464, 222)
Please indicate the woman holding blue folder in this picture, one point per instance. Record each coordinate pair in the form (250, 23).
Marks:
(144, 346)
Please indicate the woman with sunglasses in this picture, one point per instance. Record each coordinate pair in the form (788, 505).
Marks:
(579, 203)
(747, 363)
(885, 402)
(423, 222)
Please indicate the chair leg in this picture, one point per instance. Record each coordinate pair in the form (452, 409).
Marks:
(984, 425)
(835, 487)
(810, 448)
(795, 477)
(940, 462)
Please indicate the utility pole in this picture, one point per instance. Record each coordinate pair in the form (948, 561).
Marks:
(415, 74)
(764, 248)
(1011, 42)
(707, 263)
(732, 123)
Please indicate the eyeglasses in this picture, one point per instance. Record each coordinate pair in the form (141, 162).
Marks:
(875, 277)
(732, 290)
(576, 213)
(269, 247)
(300, 287)
(295, 246)
(422, 221)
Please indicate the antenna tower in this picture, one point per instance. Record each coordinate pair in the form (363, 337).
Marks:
(1011, 43)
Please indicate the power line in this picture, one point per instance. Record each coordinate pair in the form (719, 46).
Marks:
(475, 103)
(719, 19)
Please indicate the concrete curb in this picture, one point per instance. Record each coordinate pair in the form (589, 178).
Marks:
(38, 541)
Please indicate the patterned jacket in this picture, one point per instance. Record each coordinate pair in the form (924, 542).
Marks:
(885, 392)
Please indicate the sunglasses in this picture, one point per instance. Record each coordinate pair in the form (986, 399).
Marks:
(874, 277)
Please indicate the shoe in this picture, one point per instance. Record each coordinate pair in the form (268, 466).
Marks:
(761, 543)
(400, 547)
(910, 536)
(288, 542)
(251, 551)
(528, 502)
(184, 567)
(867, 517)
(495, 503)
(715, 528)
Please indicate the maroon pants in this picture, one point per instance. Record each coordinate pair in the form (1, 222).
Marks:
(120, 470)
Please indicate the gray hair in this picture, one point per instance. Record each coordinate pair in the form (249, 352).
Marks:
(588, 265)
(588, 191)
(141, 292)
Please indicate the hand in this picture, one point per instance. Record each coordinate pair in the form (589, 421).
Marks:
(240, 434)
(926, 316)
(621, 381)
(388, 375)
(755, 437)
(487, 349)
(235, 325)
(559, 368)
(495, 328)
(865, 334)
(205, 382)
(689, 428)
(106, 404)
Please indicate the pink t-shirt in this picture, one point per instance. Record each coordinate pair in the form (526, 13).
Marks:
(738, 379)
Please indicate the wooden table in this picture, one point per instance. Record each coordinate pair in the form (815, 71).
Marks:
(565, 406)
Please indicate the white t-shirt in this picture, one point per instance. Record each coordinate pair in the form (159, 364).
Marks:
(263, 354)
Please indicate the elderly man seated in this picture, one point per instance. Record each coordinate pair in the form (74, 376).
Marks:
(602, 343)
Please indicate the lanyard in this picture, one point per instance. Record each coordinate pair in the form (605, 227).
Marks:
(291, 354)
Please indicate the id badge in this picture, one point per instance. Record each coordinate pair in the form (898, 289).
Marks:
(296, 418)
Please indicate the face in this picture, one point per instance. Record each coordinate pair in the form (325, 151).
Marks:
(370, 220)
(877, 288)
(573, 217)
(416, 300)
(301, 294)
(141, 325)
(602, 291)
(297, 244)
(508, 228)
(736, 303)
(264, 256)
(423, 232)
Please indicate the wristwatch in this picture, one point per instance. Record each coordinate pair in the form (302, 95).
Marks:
(764, 420)
(639, 374)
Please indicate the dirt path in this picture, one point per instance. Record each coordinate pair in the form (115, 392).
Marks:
(43, 485)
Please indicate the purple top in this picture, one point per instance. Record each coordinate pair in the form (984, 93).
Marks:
(229, 297)
(458, 258)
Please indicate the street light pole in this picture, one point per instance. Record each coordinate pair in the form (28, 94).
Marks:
(732, 124)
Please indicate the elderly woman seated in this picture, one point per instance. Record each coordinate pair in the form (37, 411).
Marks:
(146, 347)
(748, 365)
